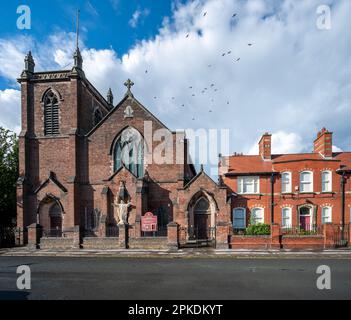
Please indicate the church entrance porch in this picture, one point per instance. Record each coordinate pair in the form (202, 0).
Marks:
(50, 216)
(201, 230)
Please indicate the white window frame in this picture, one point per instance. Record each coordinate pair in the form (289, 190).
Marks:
(330, 215)
(286, 184)
(289, 217)
(239, 209)
(252, 213)
(255, 182)
(305, 183)
(330, 181)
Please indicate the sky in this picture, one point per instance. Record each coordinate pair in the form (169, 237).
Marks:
(247, 66)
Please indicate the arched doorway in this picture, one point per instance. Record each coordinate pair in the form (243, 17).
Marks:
(50, 217)
(202, 219)
(55, 215)
(202, 210)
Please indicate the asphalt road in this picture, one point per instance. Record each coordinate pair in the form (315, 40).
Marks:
(160, 278)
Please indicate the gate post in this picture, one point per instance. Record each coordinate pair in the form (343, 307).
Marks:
(34, 235)
(328, 232)
(222, 235)
(275, 236)
(172, 235)
(123, 235)
(349, 239)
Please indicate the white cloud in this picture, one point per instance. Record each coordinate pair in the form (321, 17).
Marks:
(10, 102)
(337, 149)
(137, 16)
(293, 80)
(282, 142)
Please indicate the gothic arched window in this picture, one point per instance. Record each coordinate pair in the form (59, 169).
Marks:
(97, 116)
(129, 151)
(51, 114)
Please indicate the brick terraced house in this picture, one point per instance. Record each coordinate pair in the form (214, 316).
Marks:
(78, 186)
(299, 192)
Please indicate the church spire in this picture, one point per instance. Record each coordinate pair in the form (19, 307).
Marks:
(110, 97)
(29, 66)
(78, 60)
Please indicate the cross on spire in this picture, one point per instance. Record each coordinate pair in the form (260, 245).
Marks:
(129, 84)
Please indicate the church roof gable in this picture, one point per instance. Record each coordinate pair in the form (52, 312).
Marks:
(201, 174)
(119, 106)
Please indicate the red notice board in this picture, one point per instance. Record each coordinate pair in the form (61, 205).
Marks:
(149, 222)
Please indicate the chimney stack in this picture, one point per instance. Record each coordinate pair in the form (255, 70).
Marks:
(324, 143)
(265, 146)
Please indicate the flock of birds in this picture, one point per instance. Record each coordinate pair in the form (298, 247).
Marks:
(212, 87)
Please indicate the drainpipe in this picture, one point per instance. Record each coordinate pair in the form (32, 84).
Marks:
(342, 173)
(272, 197)
(343, 182)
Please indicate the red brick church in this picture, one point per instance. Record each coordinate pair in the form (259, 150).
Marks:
(88, 177)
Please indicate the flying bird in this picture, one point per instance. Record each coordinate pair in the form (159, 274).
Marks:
(238, 59)
(223, 54)
(234, 15)
(190, 87)
(187, 36)
(249, 44)
(205, 13)
(212, 85)
(210, 111)
(209, 65)
(146, 71)
(229, 52)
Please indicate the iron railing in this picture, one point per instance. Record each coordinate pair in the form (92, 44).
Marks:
(112, 231)
(12, 236)
(239, 232)
(196, 233)
(298, 230)
(53, 233)
(161, 232)
(341, 235)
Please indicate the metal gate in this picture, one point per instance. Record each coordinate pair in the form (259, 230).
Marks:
(198, 237)
(8, 237)
(341, 235)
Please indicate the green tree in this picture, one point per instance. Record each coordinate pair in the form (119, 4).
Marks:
(8, 175)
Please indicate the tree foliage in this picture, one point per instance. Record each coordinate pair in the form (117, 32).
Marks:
(8, 175)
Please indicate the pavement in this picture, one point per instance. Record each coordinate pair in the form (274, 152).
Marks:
(132, 278)
(185, 253)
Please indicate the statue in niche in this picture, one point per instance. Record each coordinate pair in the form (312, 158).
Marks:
(122, 203)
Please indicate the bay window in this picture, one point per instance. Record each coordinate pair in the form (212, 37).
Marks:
(248, 185)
